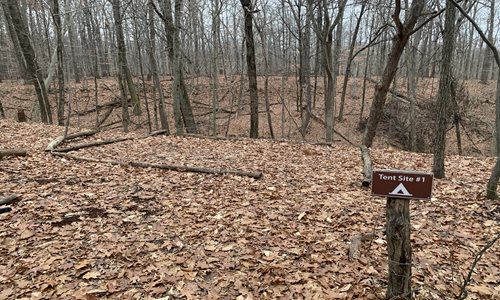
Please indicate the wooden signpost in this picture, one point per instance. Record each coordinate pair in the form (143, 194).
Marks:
(399, 187)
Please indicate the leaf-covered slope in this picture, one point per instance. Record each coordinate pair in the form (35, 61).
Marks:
(96, 230)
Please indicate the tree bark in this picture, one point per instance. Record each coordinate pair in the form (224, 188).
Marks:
(403, 33)
(444, 91)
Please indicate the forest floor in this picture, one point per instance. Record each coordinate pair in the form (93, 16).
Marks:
(92, 230)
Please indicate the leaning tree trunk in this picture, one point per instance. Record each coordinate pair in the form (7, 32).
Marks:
(444, 91)
(21, 62)
(31, 61)
(404, 32)
(248, 11)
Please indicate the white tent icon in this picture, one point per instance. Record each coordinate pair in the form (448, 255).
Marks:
(400, 190)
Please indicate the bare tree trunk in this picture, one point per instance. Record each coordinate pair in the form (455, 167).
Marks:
(412, 89)
(21, 62)
(75, 67)
(124, 102)
(122, 57)
(216, 11)
(349, 61)
(31, 61)
(187, 111)
(444, 91)
(183, 114)
(305, 70)
(325, 35)
(141, 69)
(154, 70)
(263, 39)
(403, 33)
(488, 54)
(248, 11)
(60, 62)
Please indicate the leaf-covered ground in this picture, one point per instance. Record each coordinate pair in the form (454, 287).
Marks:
(92, 230)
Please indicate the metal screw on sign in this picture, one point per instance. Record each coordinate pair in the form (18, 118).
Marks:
(399, 187)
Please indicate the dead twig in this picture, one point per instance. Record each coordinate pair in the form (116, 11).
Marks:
(477, 258)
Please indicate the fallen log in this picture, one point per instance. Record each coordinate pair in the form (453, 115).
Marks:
(60, 139)
(139, 164)
(12, 152)
(93, 144)
(5, 210)
(158, 132)
(354, 252)
(55, 143)
(81, 134)
(9, 199)
(367, 166)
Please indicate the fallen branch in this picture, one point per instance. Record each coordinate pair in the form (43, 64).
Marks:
(93, 144)
(55, 143)
(81, 134)
(12, 152)
(9, 199)
(99, 107)
(477, 258)
(158, 132)
(367, 166)
(356, 242)
(139, 164)
(5, 210)
(60, 139)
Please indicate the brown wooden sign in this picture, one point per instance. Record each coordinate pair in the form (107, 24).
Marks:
(402, 184)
